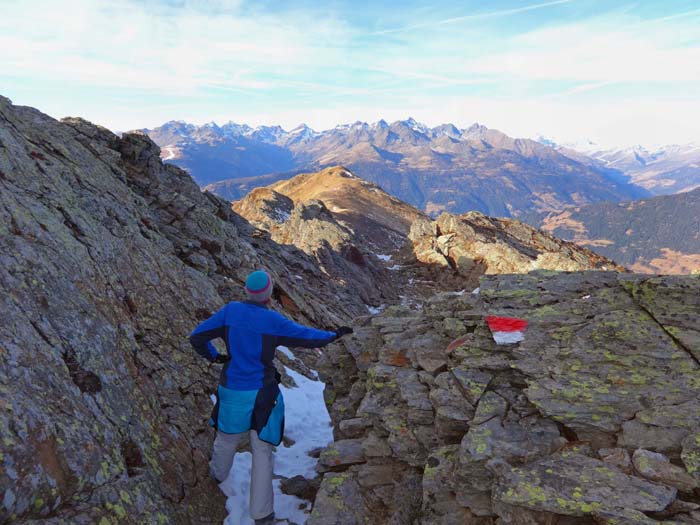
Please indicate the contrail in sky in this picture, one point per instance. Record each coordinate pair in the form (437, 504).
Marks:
(493, 14)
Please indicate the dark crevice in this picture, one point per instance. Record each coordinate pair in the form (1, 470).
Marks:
(201, 314)
(568, 433)
(37, 155)
(354, 255)
(41, 333)
(130, 304)
(450, 261)
(133, 459)
(85, 380)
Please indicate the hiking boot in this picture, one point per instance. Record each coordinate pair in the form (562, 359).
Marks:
(267, 520)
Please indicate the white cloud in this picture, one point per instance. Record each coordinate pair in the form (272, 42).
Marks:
(180, 49)
(596, 52)
(141, 63)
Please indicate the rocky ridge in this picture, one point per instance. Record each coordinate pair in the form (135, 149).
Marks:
(381, 221)
(474, 244)
(593, 418)
(108, 259)
(389, 249)
(344, 242)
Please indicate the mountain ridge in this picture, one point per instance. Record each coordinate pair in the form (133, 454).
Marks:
(657, 235)
(357, 217)
(662, 170)
(444, 168)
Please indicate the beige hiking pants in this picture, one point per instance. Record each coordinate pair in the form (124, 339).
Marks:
(261, 495)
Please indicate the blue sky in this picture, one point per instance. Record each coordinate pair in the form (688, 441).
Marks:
(614, 71)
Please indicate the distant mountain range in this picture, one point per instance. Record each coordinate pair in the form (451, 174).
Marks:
(658, 235)
(661, 171)
(444, 168)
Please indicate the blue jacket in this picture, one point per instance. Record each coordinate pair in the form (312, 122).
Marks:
(248, 395)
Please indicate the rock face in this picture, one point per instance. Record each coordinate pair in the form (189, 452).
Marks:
(453, 428)
(473, 244)
(108, 259)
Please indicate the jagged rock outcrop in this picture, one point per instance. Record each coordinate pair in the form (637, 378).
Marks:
(378, 221)
(108, 258)
(340, 251)
(593, 418)
(474, 244)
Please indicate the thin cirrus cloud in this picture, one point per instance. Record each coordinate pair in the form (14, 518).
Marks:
(610, 70)
(476, 16)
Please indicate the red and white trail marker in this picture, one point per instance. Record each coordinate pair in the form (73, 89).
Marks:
(506, 330)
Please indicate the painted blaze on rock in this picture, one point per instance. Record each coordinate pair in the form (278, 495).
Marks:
(507, 330)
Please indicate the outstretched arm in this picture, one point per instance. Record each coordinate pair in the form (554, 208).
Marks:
(212, 328)
(294, 334)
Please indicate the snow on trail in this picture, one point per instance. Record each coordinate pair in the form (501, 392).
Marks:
(375, 310)
(308, 424)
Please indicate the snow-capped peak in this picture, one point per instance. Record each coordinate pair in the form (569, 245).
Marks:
(302, 129)
(416, 126)
(380, 124)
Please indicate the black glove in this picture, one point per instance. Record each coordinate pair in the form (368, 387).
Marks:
(221, 359)
(343, 330)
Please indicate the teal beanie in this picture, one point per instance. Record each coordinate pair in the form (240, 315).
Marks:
(258, 286)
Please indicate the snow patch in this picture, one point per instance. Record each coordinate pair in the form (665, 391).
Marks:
(308, 424)
(168, 152)
(286, 351)
(394, 268)
(281, 216)
(385, 258)
(374, 310)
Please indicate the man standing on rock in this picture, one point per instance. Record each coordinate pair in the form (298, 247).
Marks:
(248, 397)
